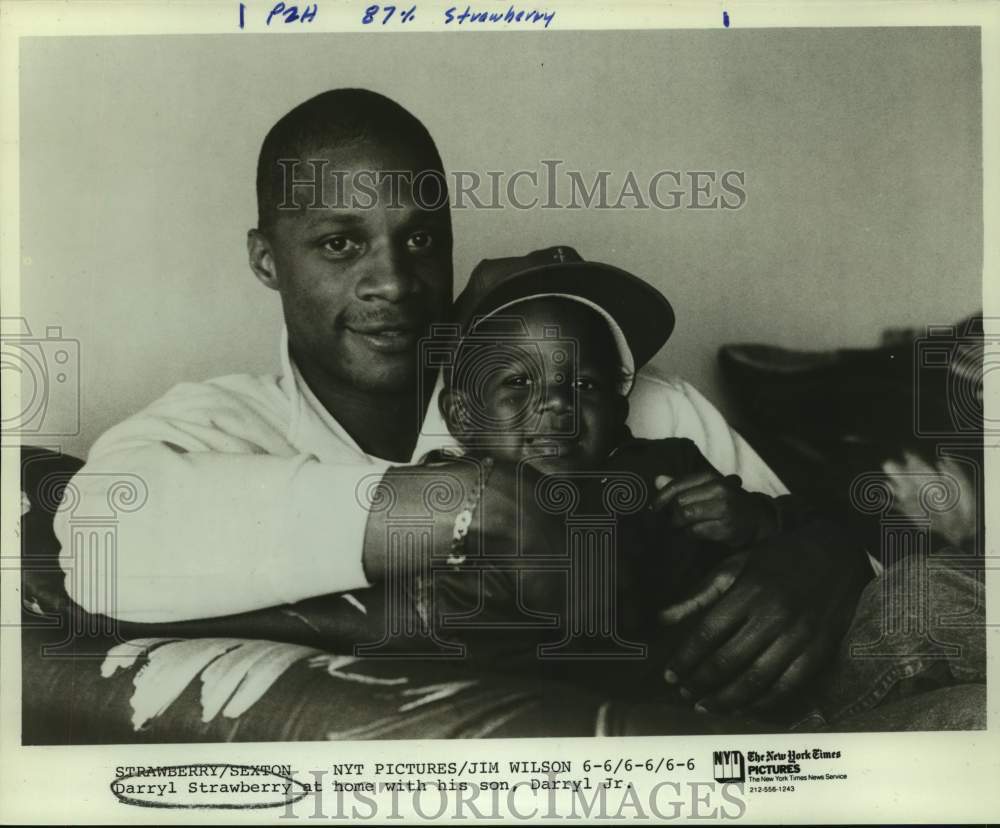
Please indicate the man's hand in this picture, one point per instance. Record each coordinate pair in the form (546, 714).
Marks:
(709, 592)
(769, 623)
(716, 508)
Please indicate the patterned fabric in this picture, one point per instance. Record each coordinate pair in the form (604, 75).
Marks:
(228, 689)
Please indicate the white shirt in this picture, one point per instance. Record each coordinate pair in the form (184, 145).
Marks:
(252, 494)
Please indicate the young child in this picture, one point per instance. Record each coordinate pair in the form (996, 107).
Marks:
(548, 348)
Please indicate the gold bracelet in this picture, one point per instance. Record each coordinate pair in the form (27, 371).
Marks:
(463, 520)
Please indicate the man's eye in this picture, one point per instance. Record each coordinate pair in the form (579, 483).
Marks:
(420, 240)
(341, 246)
(518, 381)
(586, 384)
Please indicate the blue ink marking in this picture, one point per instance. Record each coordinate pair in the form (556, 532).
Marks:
(452, 15)
(279, 8)
(291, 13)
(405, 16)
(242, 12)
(725, 19)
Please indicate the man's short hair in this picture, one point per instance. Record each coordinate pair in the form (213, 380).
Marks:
(336, 117)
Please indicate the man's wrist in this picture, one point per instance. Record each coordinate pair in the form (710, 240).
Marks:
(411, 505)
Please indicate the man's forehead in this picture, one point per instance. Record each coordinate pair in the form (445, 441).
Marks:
(355, 155)
(318, 218)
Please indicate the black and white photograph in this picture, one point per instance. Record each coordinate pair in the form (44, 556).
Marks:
(458, 373)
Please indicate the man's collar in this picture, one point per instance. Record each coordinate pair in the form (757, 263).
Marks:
(313, 429)
(433, 431)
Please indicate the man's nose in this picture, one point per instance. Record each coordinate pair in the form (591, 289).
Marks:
(388, 275)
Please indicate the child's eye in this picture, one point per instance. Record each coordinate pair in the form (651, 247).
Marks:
(586, 384)
(341, 247)
(518, 381)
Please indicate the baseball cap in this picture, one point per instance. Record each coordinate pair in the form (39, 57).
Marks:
(639, 316)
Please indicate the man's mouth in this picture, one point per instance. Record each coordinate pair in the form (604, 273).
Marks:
(387, 339)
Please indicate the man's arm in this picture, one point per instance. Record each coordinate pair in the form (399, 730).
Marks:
(227, 517)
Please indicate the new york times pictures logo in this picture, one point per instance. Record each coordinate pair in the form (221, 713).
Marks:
(728, 766)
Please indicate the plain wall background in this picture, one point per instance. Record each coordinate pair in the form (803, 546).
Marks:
(861, 148)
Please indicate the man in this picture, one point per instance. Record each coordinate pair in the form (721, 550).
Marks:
(257, 484)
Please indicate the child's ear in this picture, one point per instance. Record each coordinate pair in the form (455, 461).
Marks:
(453, 409)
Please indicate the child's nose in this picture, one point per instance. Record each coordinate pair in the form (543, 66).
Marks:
(558, 396)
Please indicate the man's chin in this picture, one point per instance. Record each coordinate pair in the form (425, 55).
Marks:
(385, 380)
(393, 372)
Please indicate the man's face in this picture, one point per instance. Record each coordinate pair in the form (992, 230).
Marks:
(552, 399)
(360, 285)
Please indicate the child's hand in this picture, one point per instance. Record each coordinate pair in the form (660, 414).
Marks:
(716, 508)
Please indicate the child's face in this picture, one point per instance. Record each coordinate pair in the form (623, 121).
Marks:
(550, 399)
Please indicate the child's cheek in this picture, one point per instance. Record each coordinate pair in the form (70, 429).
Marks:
(512, 411)
(599, 430)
